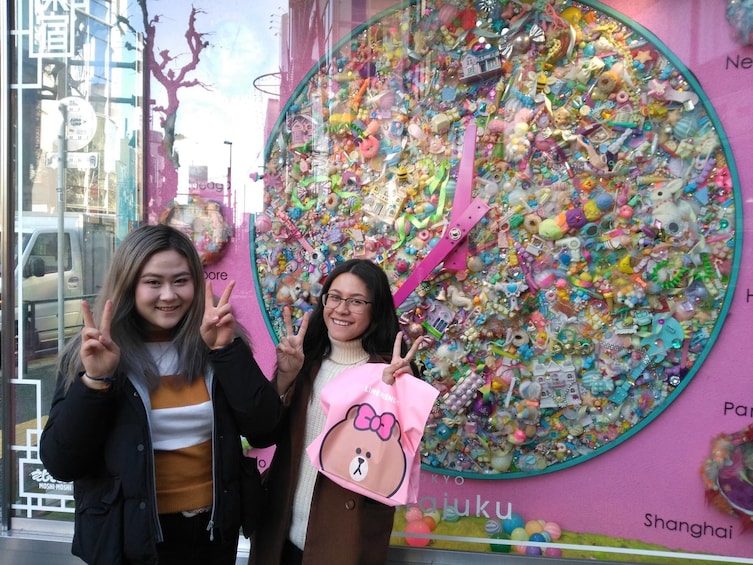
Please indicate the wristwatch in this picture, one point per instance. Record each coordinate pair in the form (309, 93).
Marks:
(551, 196)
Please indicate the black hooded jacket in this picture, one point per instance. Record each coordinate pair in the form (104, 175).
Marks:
(101, 441)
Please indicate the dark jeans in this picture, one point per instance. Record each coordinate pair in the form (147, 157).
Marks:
(187, 542)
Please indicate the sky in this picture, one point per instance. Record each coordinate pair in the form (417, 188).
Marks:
(244, 45)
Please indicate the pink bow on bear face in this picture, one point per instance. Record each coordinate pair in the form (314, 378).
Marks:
(368, 419)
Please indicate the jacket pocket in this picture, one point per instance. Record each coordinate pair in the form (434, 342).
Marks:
(98, 536)
(252, 495)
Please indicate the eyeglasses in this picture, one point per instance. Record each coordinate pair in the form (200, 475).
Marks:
(355, 305)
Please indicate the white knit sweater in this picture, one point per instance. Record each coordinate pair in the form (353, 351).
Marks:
(344, 354)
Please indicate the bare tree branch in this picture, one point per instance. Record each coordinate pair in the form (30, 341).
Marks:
(173, 79)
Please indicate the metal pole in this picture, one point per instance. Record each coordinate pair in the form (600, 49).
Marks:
(229, 171)
(7, 219)
(62, 162)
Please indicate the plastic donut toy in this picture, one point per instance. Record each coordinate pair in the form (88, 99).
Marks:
(531, 223)
(369, 147)
(351, 180)
(331, 201)
(202, 221)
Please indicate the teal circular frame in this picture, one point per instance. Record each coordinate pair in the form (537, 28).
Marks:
(626, 371)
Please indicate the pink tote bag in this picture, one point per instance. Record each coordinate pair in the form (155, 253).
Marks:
(372, 434)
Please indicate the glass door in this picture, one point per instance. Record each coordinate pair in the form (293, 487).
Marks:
(75, 117)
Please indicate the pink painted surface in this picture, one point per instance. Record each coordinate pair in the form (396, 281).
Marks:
(654, 474)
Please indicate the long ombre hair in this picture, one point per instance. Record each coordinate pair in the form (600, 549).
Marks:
(128, 330)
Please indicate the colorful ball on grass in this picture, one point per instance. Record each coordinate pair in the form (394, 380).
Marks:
(500, 547)
(534, 527)
(413, 513)
(553, 529)
(533, 550)
(429, 520)
(553, 552)
(417, 527)
(492, 527)
(514, 521)
(435, 514)
(538, 537)
(519, 534)
(450, 514)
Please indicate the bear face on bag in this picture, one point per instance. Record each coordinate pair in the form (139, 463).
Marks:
(365, 449)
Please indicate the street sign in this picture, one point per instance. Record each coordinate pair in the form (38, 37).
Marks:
(80, 122)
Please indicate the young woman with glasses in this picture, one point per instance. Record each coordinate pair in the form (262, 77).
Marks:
(310, 519)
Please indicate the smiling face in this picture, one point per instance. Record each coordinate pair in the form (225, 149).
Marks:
(342, 323)
(164, 290)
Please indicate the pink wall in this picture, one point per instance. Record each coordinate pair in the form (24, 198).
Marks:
(656, 472)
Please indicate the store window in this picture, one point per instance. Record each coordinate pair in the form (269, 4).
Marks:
(528, 174)
(76, 90)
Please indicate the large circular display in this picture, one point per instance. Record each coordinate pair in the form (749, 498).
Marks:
(552, 198)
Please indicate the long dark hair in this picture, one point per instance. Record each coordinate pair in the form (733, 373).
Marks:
(379, 337)
(128, 329)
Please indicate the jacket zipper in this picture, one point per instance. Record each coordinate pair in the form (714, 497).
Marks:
(210, 390)
(142, 394)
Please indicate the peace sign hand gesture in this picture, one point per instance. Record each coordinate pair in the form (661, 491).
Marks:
(290, 350)
(218, 325)
(401, 365)
(99, 354)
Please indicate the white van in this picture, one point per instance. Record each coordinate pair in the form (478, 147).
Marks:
(88, 242)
